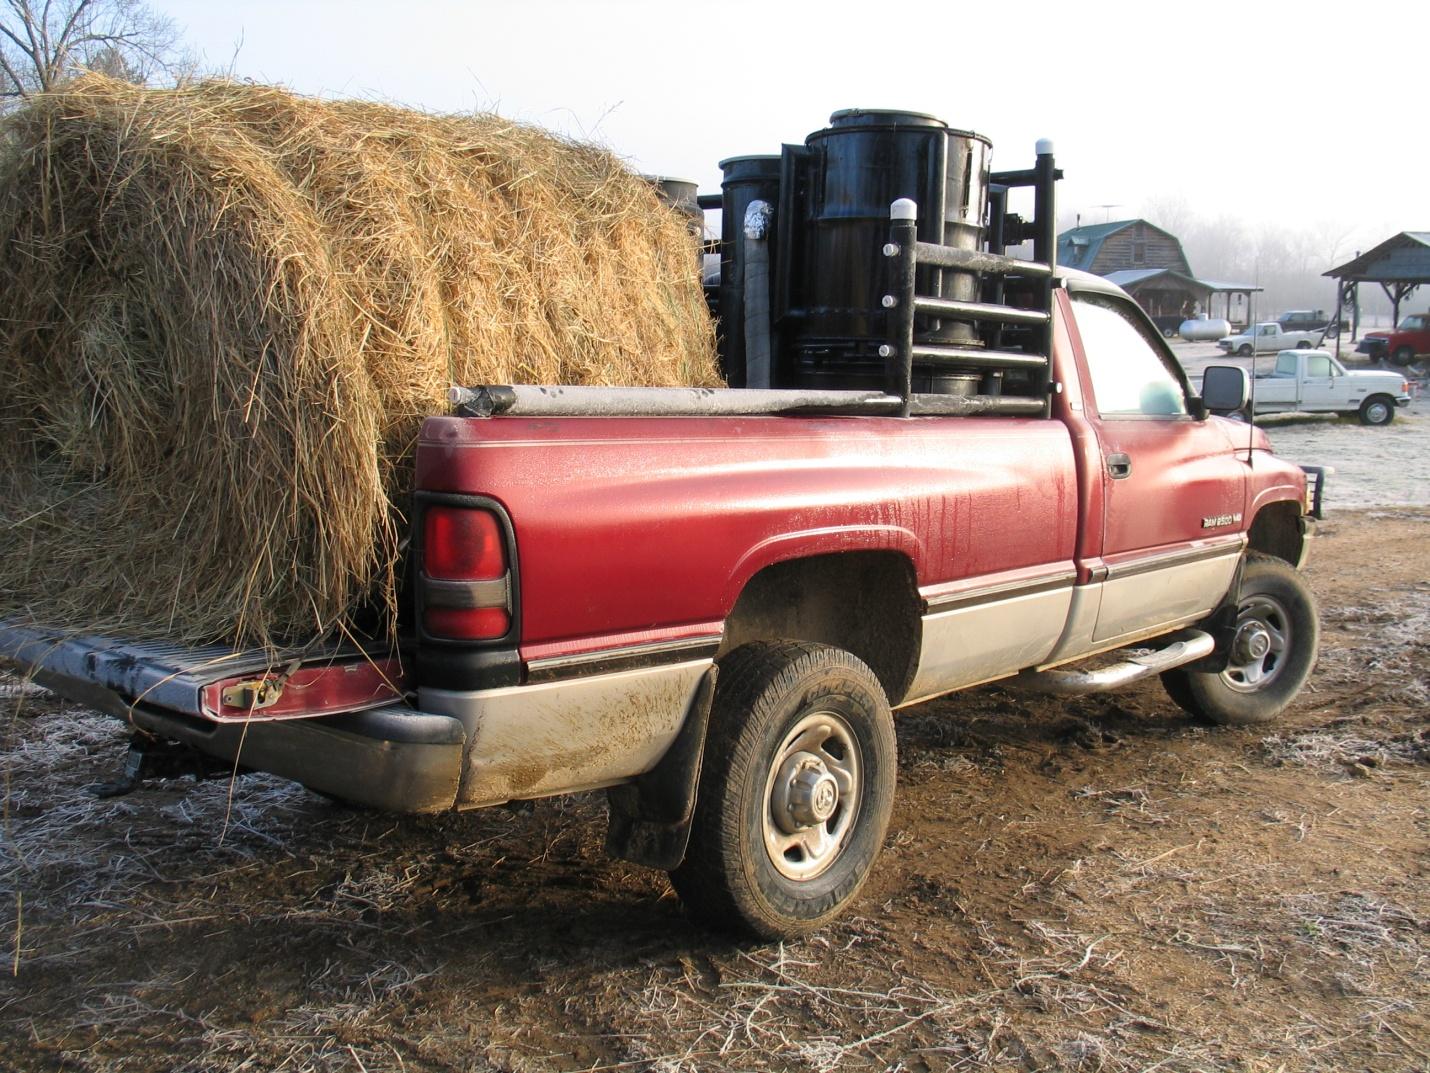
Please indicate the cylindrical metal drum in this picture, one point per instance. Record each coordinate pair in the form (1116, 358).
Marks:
(853, 169)
(1202, 328)
(746, 179)
(683, 196)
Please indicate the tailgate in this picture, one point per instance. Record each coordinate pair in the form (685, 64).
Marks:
(211, 682)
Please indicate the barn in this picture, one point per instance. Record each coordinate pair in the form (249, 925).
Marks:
(1148, 263)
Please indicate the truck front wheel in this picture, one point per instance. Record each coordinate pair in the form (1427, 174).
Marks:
(1377, 410)
(1244, 350)
(796, 792)
(1403, 356)
(1272, 650)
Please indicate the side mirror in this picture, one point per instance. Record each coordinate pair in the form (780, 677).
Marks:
(1225, 388)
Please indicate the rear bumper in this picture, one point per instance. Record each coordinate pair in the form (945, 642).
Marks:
(392, 759)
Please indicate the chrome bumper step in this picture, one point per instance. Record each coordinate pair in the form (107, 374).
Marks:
(1190, 646)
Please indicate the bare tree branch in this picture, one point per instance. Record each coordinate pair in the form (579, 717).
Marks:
(45, 42)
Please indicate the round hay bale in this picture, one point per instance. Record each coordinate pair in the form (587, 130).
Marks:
(228, 309)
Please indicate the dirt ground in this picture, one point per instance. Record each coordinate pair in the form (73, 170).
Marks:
(1103, 885)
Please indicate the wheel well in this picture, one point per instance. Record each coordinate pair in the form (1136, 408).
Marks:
(866, 603)
(1276, 531)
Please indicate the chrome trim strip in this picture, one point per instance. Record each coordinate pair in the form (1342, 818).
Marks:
(1003, 591)
(1181, 557)
(627, 658)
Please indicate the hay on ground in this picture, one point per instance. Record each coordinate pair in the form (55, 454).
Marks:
(227, 309)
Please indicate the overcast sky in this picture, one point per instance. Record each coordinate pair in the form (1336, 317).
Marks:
(1294, 114)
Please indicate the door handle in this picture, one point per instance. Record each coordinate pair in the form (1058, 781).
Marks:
(1119, 466)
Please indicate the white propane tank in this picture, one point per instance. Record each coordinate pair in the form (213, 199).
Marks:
(1200, 329)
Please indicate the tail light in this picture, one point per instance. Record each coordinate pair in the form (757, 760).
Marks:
(466, 574)
(325, 689)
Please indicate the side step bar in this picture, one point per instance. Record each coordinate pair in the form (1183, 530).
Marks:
(1190, 647)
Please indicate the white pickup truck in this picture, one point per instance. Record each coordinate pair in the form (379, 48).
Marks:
(1265, 337)
(1311, 381)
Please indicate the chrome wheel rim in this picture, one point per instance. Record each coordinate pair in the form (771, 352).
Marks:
(1259, 646)
(1376, 412)
(812, 796)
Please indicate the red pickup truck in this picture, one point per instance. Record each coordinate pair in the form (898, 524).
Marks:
(712, 606)
(1400, 346)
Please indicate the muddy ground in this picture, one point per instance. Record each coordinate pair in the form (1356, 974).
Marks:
(1104, 884)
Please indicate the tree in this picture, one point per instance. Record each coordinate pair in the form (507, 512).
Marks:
(45, 42)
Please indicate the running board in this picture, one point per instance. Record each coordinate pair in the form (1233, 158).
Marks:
(1191, 646)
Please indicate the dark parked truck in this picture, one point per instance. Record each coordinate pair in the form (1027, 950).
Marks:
(709, 603)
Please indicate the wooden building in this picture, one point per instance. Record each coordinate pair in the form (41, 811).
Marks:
(1148, 263)
(1121, 246)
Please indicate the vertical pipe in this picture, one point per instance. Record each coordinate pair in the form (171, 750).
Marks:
(1045, 249)
(993, 286)
(755, 236)
(1340, 298)
(898, 352)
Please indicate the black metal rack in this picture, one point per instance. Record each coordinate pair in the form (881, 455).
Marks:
(930, 347)
(906, 253)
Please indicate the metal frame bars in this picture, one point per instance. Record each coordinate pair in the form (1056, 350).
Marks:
(906, 253)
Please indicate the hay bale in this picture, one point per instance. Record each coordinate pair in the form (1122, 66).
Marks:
(227, 309)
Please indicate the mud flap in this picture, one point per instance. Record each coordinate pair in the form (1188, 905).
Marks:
(650, 817)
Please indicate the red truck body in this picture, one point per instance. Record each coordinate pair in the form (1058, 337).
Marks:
(1401, 344)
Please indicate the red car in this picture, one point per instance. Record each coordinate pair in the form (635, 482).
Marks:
(1401, 346)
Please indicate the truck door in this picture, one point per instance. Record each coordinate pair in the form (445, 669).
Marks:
(1174, 490)
(1318, 384)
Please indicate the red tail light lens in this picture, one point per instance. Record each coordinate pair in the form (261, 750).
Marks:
(467, 623)
(466, 591)
(461, 544)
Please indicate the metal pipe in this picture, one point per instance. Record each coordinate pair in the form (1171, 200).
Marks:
(981, 359)
(924, 405)
(758, 218)
(529, 400)
(1022, 177)
(903, 253)
(525, 400)
(980, 311)
(973, 261)
(1045, 250)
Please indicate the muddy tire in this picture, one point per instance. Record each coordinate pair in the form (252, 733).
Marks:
(1272, 651)
(1377, 410)
(796, 791)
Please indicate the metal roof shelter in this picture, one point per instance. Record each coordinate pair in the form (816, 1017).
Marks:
(1133, 280)
(1400, 264)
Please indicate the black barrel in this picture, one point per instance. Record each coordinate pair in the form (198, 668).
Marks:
(746, 179)
(833, 320)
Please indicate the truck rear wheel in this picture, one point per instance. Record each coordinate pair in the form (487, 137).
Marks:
(1377, 410)
(796, 792)
(1272, 651)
